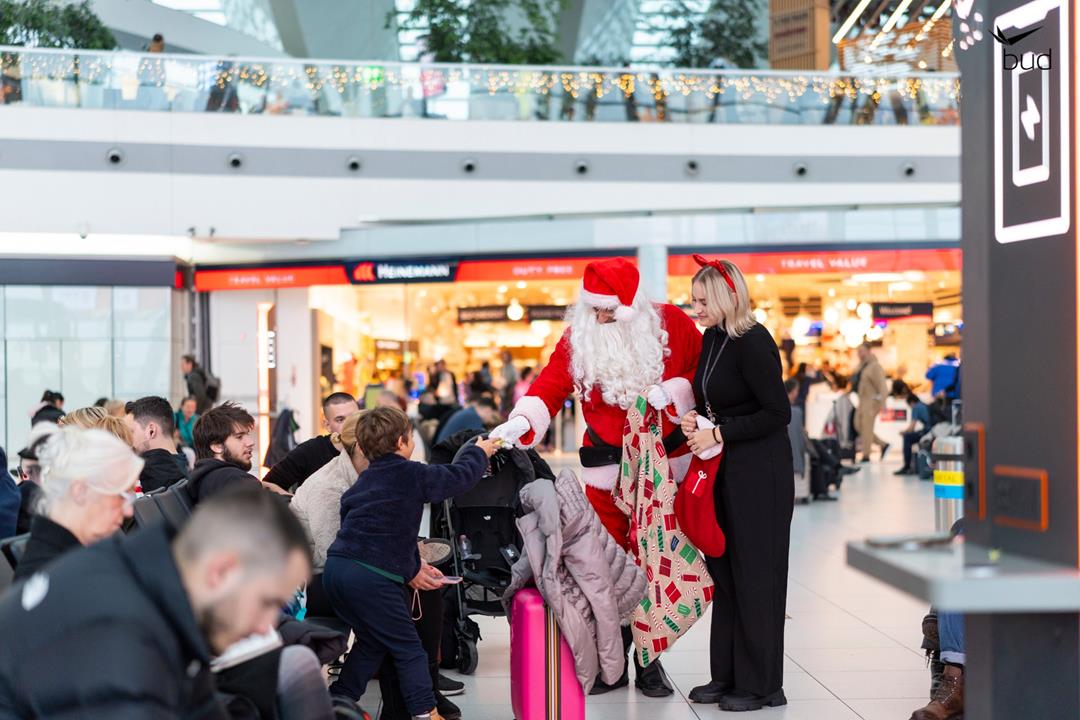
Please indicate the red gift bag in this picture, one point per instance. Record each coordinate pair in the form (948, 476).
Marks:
(695, 508)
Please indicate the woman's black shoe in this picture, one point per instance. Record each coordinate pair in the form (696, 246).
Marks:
(652, 681)
(708, 694)
(740, 701)
(600, 687)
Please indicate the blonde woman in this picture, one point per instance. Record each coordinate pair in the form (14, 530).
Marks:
(739, 387)
(96, 417)
(317, 504)
(87, 483)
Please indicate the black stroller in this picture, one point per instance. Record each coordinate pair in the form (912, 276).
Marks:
(480, 526)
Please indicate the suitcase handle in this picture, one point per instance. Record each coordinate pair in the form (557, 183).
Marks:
(552, 671)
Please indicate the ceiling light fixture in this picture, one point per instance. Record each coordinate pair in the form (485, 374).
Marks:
(855, 14)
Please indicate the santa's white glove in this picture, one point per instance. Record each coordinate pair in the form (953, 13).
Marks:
(511, 430)
(658, 397)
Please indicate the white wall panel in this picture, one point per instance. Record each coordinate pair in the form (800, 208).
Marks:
(150, 198)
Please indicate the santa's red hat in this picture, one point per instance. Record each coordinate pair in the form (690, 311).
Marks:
(611, 284)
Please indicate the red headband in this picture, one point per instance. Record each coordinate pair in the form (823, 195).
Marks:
(718, 267)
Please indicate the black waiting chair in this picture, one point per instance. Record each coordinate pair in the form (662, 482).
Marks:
(175, 505)
(145, 512)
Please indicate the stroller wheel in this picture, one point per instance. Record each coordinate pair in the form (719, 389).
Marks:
(468, 658)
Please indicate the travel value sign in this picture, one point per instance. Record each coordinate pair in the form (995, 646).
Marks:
(1032, 125)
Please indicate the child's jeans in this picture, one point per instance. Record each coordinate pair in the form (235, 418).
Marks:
(372, 605)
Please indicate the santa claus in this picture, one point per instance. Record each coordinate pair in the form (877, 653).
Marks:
(618, 345)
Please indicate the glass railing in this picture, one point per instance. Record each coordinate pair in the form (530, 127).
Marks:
(193, 83)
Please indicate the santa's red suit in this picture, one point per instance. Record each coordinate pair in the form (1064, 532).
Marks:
(612, 285)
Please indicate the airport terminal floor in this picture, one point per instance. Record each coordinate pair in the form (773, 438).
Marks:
(851, 642)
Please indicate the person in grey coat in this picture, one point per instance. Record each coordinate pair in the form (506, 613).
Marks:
(588, 581)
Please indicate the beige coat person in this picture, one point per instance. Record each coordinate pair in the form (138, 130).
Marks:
(872, 390)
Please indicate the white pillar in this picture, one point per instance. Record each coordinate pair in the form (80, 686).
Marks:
(653, 265)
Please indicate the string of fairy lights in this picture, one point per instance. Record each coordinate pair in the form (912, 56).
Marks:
(662, 84)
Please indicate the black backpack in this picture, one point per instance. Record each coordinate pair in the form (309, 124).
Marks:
(212, 384)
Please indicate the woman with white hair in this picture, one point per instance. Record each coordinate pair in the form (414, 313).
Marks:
(87, 482)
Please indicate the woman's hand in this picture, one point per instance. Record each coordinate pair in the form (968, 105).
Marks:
(702, 440)
(689, 423)
(429, 578)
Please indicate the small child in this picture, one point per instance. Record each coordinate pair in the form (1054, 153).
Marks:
(375, 553)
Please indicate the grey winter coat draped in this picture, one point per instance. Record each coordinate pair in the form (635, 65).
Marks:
(588, 581)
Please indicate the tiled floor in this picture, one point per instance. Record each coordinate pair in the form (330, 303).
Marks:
(851, 642)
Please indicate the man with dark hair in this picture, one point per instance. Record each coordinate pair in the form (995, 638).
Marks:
(197, 382)
(150, 420)
(481, 413)
(127, 626)
(223, 446)
(307, 457)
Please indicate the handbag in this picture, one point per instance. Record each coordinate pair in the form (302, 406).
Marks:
(695, 508)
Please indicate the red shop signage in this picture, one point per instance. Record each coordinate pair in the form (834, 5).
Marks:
(831, 261)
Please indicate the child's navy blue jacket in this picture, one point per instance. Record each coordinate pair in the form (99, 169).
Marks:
(381, 512)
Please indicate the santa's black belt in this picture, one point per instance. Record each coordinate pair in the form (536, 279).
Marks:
(601, 454)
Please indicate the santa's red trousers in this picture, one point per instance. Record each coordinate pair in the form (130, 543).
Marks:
(614, 520)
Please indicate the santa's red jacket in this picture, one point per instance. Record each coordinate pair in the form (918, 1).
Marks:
(555, 383)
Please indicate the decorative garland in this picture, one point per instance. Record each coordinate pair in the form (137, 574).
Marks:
(315, 77)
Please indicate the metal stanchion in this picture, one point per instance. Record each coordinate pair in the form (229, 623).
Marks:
(948, 459)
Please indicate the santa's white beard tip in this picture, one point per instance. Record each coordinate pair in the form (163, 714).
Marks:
(622, 358)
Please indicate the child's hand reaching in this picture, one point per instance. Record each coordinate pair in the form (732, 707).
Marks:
(489, 446)
(429, 578)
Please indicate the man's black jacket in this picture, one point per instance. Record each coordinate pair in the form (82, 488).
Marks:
(105, 632)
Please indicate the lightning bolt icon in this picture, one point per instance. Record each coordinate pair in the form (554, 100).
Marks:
(1030, 117)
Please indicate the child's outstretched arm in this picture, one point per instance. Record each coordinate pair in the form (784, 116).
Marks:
(439, 482)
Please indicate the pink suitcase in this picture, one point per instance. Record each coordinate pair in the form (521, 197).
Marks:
(543, 684)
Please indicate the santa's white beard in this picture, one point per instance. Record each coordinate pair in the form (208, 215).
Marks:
(621, 358)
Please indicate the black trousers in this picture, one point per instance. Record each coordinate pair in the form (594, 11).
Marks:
(748, 610)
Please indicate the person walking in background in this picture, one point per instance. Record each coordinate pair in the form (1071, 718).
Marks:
(871, 386)
(445, 384)
(185, 419)
(739, 387)
(521, 387)
(198, 383)
(508, 380)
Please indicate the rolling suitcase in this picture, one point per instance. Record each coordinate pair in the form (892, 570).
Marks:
(802, 482)
(543, 684)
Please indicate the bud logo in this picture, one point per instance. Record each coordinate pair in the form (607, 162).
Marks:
(364, 272)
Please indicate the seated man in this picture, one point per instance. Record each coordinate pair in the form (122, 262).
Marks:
(309, 456)
(223, 446)
(29, 481)
(150, 420)
(480, 414)
(919, 426)
(127, 627)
